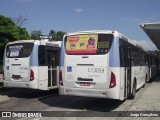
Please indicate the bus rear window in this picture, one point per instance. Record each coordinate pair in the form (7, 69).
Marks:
(19, 50)
(88, 44)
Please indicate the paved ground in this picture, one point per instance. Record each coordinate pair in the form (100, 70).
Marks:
(147, 99)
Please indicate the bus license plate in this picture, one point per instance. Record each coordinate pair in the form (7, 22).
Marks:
(84, 84)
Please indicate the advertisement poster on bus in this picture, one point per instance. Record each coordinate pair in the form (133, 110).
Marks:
(81, 44)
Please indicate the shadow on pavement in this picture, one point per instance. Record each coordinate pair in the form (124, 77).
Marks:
(82, 103)
(26, 93)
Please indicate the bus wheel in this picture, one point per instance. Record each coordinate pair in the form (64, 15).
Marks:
(146, 78)
(145, 81)
(133, 94)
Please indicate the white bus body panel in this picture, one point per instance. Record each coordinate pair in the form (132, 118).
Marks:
(17, 66)
(24, 84)
(83, 68)
(43, 77)
(98, 88)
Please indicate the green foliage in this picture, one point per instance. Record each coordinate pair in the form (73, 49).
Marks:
(57, 36)
(53, 34)
(23, 34)
(10, 32)
(35, 34)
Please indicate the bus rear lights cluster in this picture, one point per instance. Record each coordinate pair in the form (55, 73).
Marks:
(31, 75)
(112, 80)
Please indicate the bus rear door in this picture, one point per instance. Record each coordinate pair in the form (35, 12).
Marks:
(52, 57)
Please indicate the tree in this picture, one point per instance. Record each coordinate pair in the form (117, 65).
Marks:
(35, 34)
(23, 34)
(56, 36)
(59, 35)
(10, 32)
(19, 21)
(53, 34)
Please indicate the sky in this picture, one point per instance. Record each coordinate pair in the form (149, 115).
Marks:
(124, 16)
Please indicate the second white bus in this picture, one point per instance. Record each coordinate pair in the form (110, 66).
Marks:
(103, 64)
(31, 64)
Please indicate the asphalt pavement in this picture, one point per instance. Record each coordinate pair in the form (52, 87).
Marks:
(147, 99)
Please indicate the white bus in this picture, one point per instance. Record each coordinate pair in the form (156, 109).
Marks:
(31, 64)
(103, 64)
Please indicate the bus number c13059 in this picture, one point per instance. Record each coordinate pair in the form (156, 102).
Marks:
(96, 70)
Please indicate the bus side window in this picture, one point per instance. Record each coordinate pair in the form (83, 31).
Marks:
(41, 55)
(122, 56)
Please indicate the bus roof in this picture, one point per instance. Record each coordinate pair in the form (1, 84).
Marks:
(42, 42)
(90, 31)
(133, 42)
(20, 41)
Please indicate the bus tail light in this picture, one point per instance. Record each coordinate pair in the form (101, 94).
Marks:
(60, 78)
(112, 80)
(31, 75)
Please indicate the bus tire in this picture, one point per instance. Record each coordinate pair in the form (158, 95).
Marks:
(133, 94)
(146, 78)
(145, 81)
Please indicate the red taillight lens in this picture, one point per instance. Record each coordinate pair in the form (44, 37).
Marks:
(60, 78)
(31, 75)
(112, 80)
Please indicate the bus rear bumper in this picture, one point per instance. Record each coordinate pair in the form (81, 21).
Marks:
(88, 92)
(20, 84)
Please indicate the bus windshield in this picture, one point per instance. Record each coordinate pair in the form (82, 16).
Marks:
(88, 44)
(19, 50)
